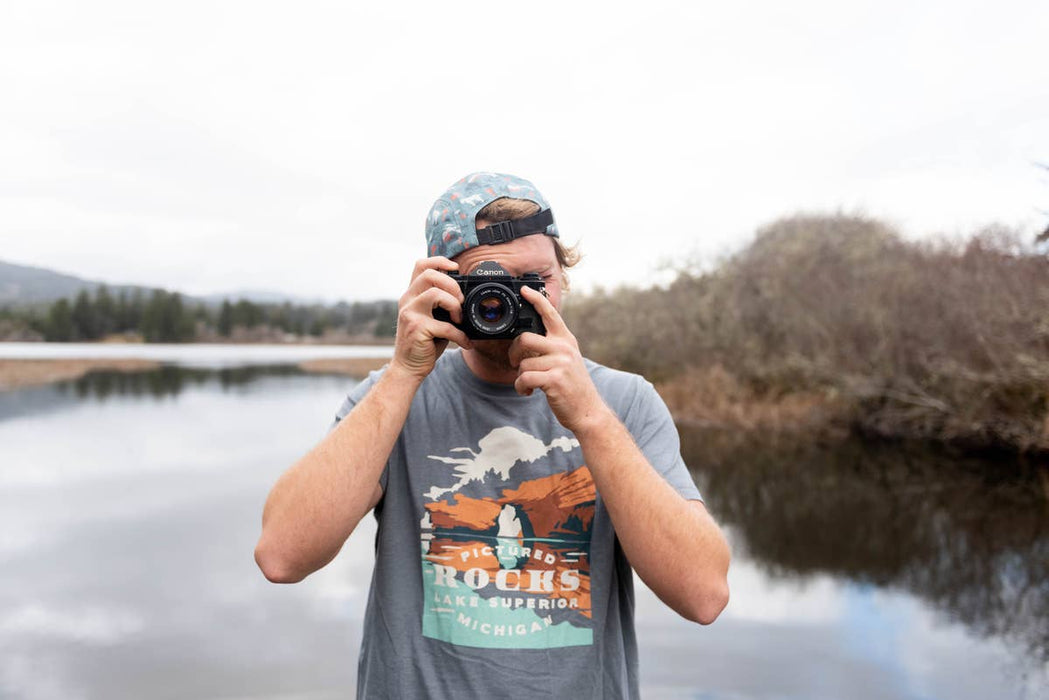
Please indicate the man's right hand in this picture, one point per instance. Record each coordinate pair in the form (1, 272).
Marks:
(420, 337)
(320, 499)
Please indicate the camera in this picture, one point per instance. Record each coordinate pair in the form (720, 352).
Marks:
(494, 308)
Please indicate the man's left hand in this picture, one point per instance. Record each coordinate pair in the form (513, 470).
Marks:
(554, 364)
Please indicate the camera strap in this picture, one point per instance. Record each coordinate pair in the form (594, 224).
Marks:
(506, 231)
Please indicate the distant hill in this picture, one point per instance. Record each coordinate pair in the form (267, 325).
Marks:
(25, 285)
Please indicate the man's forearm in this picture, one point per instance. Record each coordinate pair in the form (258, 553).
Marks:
(318, 501)
(674, 545)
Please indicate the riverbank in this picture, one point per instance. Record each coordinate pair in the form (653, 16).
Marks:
(713, 398)
(357, 367)
(239, 339)
(20, 374)
(24, 373)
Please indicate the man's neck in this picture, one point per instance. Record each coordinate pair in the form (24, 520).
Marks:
(487, 369)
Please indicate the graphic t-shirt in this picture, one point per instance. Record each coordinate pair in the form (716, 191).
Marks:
(497, 572)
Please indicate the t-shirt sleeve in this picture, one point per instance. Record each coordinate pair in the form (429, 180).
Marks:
(352, 399)
(652, 426)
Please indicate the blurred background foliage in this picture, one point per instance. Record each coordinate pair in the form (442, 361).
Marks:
(168, 317)
(838, 320)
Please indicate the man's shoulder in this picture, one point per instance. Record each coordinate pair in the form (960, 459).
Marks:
(620, 389)
(610, 375)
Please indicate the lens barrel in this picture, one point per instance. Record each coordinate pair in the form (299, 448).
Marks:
(491, 308)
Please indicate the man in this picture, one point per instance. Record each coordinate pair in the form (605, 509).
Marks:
(515, 484)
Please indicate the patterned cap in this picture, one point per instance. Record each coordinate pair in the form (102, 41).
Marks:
(451, 227)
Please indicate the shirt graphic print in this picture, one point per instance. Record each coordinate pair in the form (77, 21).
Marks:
(506, 546)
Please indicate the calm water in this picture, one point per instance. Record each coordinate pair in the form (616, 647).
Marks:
(211, 355)
(130, 506)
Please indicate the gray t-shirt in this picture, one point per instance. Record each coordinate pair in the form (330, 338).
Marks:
(498, 573)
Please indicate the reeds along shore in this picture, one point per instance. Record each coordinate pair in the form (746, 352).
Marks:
(830, 322)
(19, 374)
(24, 373)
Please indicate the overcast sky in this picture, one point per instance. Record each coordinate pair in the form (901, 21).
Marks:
(215, 146)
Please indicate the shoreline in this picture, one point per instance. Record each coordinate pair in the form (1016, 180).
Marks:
(712, 398)
(357, 367)
(369, 342)
(708, 398)
(24, 373)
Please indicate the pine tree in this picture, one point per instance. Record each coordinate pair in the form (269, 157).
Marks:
(225, 325)
(151, 324)
(246, 314)
(386, 321)
(135, 310)
(180, 319)
(60, 322)
(85, 318)
(123, 313)
(105, 311)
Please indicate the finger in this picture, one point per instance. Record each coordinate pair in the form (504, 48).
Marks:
(542, 363)
(528, 382)
(433, 298)
(528, 345)
(437, 262)
(518, 350)
(442, 330)
(434, 278)
(551, 319)
(422, 327)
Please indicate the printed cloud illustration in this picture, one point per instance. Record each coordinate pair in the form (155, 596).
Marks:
(499, 451)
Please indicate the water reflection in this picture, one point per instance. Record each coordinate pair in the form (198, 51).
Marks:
(130, 505)
(968, 536)
(167, 380)
(129, 509)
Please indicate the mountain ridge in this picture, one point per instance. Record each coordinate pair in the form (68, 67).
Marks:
(32, 285)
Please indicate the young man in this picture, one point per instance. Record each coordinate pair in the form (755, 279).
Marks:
(515, 484)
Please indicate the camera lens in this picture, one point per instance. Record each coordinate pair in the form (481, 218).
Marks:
(491, 308)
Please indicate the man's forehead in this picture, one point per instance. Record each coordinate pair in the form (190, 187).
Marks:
(534, 253)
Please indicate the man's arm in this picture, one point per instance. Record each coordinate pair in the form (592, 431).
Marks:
(317, 503)
(672, 543)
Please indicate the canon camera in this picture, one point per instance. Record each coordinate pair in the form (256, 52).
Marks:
(494, 308)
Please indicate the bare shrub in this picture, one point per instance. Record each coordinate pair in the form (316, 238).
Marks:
(712, 397)
(940, 340)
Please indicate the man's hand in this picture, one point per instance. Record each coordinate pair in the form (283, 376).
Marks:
(673, 544)
(420, 337)
(554, 364)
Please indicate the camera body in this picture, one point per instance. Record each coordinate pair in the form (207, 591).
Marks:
(494, 308)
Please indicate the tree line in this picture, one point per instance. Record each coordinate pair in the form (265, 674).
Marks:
(166, 317)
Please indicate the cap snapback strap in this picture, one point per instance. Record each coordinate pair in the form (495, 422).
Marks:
(506, 231)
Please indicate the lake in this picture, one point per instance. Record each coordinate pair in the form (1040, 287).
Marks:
(130, 505)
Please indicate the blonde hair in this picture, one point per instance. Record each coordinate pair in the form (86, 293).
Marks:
(509, 209)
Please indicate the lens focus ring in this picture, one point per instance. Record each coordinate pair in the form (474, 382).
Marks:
(491, 308)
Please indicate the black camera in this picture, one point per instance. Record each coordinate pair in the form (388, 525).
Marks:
(494, 308)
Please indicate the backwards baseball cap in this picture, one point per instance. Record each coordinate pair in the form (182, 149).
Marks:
(451, 225)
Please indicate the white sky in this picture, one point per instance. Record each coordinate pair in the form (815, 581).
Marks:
(216, 146)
